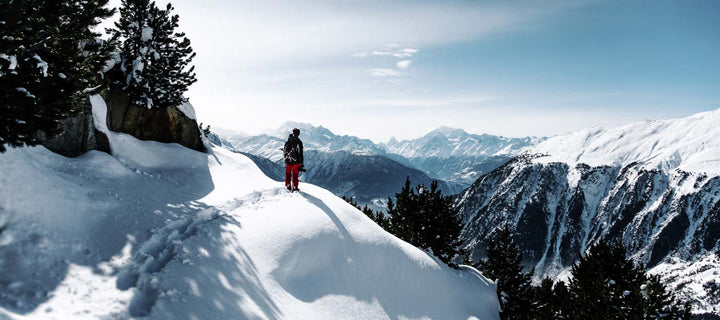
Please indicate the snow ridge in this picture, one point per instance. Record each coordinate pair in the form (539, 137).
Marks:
(159, 231)
(689, 144)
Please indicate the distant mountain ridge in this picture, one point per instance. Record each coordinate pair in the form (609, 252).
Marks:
(446, 142)
(268, 145)
(445, 153)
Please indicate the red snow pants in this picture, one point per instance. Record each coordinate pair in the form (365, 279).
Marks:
(291, 172)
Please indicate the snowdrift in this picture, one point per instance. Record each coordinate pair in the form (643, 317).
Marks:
(158, 231)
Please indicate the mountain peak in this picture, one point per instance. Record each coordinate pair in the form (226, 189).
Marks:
(294, 124)
(690, 144)
(447, 132)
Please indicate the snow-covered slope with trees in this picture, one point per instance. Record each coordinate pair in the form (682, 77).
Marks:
(163, 232)
(654, 186)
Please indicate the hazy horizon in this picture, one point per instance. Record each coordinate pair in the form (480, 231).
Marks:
(230, 131)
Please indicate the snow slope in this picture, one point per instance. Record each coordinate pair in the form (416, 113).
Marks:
(158, 231)
(690, 144)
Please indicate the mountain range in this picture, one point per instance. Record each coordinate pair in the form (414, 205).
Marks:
(370, 172)
(653, 186)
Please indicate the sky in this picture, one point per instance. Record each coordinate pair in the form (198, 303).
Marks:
(386, 68)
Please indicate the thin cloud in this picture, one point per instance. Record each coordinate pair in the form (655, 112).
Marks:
(382, 53)
(397, 53)
(404, 64)
(382, 73)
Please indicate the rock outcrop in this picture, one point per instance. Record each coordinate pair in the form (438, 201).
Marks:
(78, 136)
(169, 125)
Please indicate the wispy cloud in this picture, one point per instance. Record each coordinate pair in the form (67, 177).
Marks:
(397, 53)
(382, 73)
(403, 64)
(392, 51)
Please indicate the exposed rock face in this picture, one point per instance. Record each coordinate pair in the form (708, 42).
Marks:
(559, 211)
(167, 125)
(78, 136)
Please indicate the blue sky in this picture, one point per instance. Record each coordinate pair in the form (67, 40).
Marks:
(378, 69)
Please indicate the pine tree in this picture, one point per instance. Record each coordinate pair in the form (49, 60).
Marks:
(661, 304)
(48, 56)
(404, 216)
(376, 216)
(426, 219)
(154, 57)
(442, 227)
(602, 283)
(605, 284)
(545, 303)
(562, 300)
(504, 264)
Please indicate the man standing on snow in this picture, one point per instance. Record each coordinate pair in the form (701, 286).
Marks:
(293, 153)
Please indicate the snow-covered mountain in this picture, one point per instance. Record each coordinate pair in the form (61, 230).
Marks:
(445, 142)
(462, 170)
(446, 154)
(314, 138)
(455, 155)
(350, 166)
(368, 178)
(159, 231)
(652, 185)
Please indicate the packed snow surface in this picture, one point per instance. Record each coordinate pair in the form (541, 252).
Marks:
(690, 144)
(158, 231)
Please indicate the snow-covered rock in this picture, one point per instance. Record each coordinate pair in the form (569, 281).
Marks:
(188, 110)
(80, 133)
(164, 232)
(170, 124)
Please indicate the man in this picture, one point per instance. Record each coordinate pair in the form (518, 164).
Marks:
(293, 153)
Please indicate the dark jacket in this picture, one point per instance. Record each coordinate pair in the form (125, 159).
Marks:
(293, 151)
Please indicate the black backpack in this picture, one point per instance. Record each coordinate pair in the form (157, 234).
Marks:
(291, 152)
